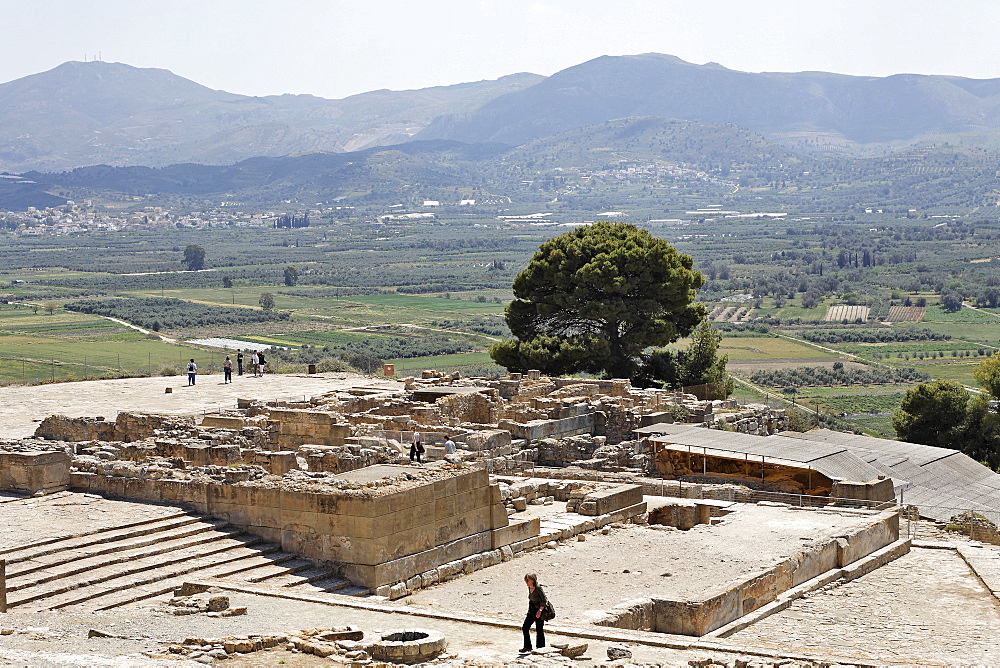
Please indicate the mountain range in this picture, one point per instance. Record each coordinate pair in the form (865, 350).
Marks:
(91, 113)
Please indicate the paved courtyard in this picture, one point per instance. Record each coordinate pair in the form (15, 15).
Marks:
(22, 408)
(927, 607)
(585, 578)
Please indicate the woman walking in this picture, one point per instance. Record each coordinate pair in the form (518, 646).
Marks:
(536, 603)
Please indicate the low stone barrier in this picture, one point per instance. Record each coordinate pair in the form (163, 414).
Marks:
(698, 617)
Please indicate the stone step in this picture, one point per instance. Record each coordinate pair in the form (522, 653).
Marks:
(139, 571)
(168, 535)
(51, 545)
(260, 575)
(353, 590)
(329, 585)
(298, 577)
(69, 566)
(232, 570)
(128, 588)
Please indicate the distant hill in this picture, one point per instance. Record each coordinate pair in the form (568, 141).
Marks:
(814, 110)
(705, 145)
(20, 193)
(715, 159)
(437, 163)
(382, 170)
(92, 113)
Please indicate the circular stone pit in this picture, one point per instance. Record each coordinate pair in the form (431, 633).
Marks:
(408, 645)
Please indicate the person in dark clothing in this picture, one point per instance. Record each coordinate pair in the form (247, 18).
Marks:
(239, 363)
(417, 449)
(536, 603)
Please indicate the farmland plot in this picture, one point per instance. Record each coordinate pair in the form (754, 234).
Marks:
(739, 314)
(725, 314)
(905, 314)
(844, 312)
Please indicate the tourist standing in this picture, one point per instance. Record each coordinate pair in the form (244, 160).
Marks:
(192, 370)
(261, 362)
(239, 362)
(536, 603)
(254, 363)
(417, 448)
(449, 446)
(227, 370)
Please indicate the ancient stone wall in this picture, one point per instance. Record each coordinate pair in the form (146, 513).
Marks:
(297, 427)
(34, 471)
(127, 427)
(538, 429)
(377, 537)
(619, 422)
(473, 407)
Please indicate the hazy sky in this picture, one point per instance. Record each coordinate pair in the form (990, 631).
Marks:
(335, 48)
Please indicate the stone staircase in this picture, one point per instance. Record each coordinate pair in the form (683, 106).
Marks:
(111, 567)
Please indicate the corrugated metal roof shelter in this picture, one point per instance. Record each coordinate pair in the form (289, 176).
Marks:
(836, 462)
(941, 482)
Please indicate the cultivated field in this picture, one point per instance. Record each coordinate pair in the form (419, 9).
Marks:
(770, 349)
(38, 347)
(843, 312)
(905, 314)
(731, 313)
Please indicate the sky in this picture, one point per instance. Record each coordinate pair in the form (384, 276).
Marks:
(336, 48)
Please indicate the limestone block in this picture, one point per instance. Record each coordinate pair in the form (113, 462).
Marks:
(450, 569)
(472, 563)
(429, 578)
(34, 471)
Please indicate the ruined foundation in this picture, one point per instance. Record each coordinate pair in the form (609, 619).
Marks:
(728, 602)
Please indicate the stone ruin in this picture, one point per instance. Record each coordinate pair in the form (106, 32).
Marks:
(336, 466)
(330, 478)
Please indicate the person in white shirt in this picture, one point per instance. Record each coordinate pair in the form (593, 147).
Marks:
(417, 448)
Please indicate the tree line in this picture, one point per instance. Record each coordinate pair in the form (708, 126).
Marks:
(157, 313)
(873, 335)
(839, 375)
